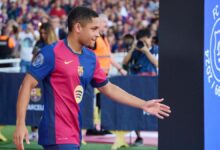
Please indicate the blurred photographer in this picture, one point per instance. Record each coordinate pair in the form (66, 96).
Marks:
(142, 57)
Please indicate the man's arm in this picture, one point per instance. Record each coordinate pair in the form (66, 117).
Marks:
(127, 58)
(151, 58)
(118, 67)
(153, 107)
(21, 131)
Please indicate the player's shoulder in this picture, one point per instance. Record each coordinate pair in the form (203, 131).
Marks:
(47, 51)
(48, 48)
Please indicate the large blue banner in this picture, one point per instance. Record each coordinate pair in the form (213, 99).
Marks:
(116, 116)
(212, 74)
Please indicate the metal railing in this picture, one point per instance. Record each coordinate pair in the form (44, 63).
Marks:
(15, 67)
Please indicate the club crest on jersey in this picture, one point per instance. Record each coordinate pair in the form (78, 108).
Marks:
(38, 61)
(80, 71)
(78, 93)
(35, 95)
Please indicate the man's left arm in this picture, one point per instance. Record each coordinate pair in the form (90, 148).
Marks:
(118, 67)
(154, 107)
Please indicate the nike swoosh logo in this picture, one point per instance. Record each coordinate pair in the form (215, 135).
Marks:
(68, 62)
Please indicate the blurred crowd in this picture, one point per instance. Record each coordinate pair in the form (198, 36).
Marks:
(20, 18)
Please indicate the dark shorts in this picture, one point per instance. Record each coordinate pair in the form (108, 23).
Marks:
(62, 147)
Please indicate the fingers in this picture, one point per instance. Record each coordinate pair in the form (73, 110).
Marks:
(18, 141)
(164, 114)
(159, 116)
(21, 145)
(164, 106)
(159, 100)
(27, 138)
(165, 109)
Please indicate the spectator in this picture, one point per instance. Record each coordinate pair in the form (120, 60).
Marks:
(13, 11)
(6, 45)
(47, 36)
(57, 10)
(27, 39)
(45, 5)
(55, 21)
(13, 31)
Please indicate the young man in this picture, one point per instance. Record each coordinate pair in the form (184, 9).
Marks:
(66, 68)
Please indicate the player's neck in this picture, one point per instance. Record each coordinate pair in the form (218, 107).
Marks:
(73, 43)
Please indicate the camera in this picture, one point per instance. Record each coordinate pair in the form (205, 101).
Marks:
(140, 44)
(136, 68)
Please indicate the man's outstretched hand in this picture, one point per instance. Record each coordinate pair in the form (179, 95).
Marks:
(156, 108)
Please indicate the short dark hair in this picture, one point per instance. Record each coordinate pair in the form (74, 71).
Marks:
(80, 14)
(128, 40)
(128, 36)
(143, 33)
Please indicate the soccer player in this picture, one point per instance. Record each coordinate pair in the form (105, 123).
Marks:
(66, 68)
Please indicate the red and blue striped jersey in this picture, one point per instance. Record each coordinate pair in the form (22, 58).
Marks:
(65, 76)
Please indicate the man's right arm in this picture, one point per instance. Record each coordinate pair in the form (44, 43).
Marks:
(20, 133)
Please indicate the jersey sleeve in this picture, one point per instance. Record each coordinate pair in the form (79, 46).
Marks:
(43, 63)
(99, 77)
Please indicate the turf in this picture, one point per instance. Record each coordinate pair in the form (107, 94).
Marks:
(8, 132)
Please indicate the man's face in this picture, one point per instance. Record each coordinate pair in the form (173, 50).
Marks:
(89, 33)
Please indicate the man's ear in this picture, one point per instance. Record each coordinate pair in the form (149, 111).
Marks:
(77, 27)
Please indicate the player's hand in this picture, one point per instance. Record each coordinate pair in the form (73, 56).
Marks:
(20, 133)
(156, 108)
